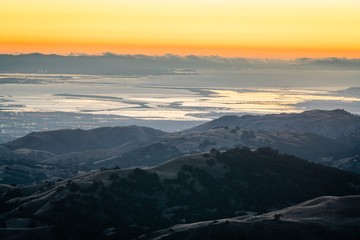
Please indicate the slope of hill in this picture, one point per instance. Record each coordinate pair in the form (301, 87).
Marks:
(332, 124)
(68, 140)
(351, 162)
(124, 203)
(324, 218)
(352, 139)
(26, 172)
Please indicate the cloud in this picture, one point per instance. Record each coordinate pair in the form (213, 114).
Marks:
(109, 63)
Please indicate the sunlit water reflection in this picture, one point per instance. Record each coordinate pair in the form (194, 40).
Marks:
(186, 98)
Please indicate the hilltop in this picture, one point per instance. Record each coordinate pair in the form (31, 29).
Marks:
(334, 123)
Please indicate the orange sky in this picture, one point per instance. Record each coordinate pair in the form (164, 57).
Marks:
(235, 28)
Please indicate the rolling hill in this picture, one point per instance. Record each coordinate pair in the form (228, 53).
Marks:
(152, 151)
(125, 203)
(22, 161)
(76, 140)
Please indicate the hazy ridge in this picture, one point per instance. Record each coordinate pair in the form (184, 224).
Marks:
(64, 153)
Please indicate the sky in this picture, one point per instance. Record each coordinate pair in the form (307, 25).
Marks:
(229, 28)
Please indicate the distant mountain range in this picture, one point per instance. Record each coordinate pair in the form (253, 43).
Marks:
(127, 203)
(62, 154)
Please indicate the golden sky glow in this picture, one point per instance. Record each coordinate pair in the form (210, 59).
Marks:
(257, 28)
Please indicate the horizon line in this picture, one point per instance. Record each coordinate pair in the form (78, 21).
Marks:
(108, 54)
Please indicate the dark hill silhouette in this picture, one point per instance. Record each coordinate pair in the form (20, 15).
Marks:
(125, 203)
